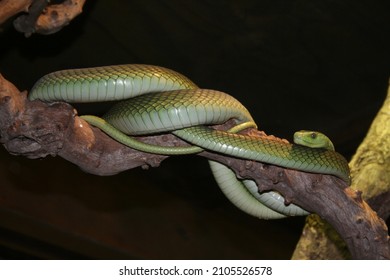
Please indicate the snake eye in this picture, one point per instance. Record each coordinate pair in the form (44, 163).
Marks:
(313, 135)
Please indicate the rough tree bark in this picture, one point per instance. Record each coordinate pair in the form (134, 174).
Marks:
(39, 16)
(36, 129)
(370, 170)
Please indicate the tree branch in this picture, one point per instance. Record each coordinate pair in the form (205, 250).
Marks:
(40, 16)
(36, 129)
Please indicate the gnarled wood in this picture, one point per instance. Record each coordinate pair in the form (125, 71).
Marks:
(39, 16)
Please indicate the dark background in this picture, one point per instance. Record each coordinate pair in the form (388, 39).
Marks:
(308, 64)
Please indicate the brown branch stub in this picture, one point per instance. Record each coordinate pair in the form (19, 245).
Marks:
(26, 23)
(58, 16)
(39, 15)
(36, 129)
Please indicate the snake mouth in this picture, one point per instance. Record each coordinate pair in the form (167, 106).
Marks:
(301, 140)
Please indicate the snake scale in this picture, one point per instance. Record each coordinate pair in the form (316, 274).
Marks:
(153, 99)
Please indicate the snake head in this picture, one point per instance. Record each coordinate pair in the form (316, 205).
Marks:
(313, 139)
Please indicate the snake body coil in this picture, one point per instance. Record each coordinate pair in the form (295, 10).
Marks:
(155, 99)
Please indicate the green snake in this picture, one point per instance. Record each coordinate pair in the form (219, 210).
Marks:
(154, 100)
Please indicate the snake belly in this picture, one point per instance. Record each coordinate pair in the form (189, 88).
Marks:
(158, 99)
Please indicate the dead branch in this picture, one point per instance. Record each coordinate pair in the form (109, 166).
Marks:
(36, 129)
(40, 16)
